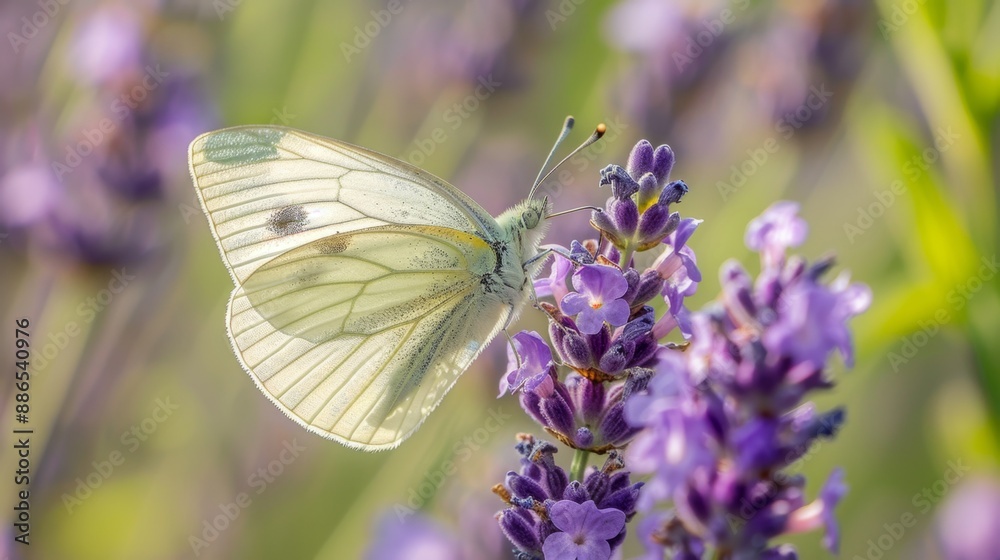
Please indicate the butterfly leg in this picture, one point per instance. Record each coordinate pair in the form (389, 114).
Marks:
(557, 250)
(532, 297)
(517, 357)
(542, 255)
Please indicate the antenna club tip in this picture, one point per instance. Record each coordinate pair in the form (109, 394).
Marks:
(601, 129)
(570, 121)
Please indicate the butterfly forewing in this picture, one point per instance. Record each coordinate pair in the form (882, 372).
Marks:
(267, 190)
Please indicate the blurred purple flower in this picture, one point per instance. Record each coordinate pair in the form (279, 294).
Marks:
(28, 193)
(413, 538)
(100, 199)
(108, 44)
(820, 513)
(673, 42)
(781, 82)
(968, 523)
(585, 531)
(677, 438)
(103, 172)
(665, 34)
(443, 50)
(776, 230)
(104, 205)
(803, 54)
(783, 552)
(722, 419)
(597, 299)
(812, 321)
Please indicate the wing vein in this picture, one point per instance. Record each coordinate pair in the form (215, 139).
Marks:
(435, 348)
(374, 376)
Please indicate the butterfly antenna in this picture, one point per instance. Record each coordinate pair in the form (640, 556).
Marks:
(598, 133)
(567, 126)
(571, 210)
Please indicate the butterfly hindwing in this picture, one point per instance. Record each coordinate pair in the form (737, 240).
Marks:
(358, 336)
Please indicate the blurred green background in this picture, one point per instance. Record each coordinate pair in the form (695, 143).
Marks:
(880, 118)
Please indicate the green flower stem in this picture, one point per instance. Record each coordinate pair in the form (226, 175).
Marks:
(579, 465)
(626, 256)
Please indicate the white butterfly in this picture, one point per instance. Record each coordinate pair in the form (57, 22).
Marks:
(364, 285)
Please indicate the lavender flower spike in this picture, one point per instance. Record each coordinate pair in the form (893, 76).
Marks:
(724, 419)
(638, 215)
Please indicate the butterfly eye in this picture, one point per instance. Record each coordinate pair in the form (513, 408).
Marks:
(530, 218)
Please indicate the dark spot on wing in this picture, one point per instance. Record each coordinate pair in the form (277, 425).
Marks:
(335, 244)
(288, 220)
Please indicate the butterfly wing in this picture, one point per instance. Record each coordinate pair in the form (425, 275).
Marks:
(267, 190)
(358, 299)
(358, 336)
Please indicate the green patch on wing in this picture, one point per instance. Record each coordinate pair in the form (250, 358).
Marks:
(233, 147)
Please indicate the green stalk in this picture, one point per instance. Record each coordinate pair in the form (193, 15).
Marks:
(579, 465)
(624, 258)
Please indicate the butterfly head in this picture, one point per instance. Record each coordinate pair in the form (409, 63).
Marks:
(525, 225)
(533, 212)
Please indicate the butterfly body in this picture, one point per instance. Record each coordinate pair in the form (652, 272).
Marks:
(364, 286)
(522, 229)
